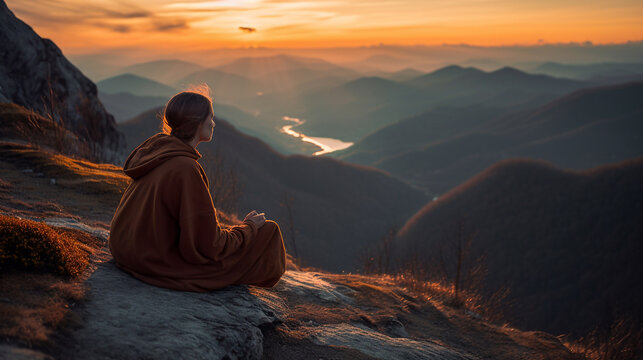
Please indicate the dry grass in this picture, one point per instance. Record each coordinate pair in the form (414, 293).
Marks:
(34, 306)
(24, 124)
(5, 184)
(386, 305)
(26, 245)
(38, 291)
(35, 300)
(48, 129)
(622, 341)
(474, 303)
(71, 173)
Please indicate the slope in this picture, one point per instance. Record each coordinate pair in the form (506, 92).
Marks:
(35, 74)
(565, 243)
(136, 85)
(581, 130)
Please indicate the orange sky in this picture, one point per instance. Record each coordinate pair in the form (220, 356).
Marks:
(79, 26)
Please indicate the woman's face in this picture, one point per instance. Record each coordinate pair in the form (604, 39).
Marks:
(207, 128)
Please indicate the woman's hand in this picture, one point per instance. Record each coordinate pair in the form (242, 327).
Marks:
(257, 219)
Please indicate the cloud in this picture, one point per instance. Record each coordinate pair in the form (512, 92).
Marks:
(214, 6)
(247, 29)
(170, 24)
(62, 11)
(284, 27)
(120, 28)
(127, 14)
(119, 16)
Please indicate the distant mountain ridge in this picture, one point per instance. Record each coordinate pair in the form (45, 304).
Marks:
(600, 72)
(417, 131)
(359, 107)
(226, 87)
(584, 129)
(124, 105)
(259, 66)
(445, 74)
(135, 84)
(283, 75)
(165, 71)
(565, 243)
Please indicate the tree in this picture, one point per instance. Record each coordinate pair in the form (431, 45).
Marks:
(225, 184)
(287, 205)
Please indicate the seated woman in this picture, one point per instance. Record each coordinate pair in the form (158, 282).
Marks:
(165, 230)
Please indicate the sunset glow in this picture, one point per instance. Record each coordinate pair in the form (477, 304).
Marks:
(77, 26)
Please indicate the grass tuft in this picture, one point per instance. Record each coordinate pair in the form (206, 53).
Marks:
(27, 245)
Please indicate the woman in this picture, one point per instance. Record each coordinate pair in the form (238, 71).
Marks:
(165, 229)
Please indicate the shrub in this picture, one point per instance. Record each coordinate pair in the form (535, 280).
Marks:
(31, 246)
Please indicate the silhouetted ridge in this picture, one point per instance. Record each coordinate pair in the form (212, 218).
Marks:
(136, 85)
(165, 71)
(377, 87)
(566, 243)
(447, 73)
(508, 71)
(442, 148)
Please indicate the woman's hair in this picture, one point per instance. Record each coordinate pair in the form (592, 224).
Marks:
(186, 111)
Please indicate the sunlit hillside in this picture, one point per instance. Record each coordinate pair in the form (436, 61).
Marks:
(563, 243)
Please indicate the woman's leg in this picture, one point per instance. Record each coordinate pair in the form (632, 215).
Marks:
(271, 265)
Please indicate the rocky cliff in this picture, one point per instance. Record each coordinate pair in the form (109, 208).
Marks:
(35, 74)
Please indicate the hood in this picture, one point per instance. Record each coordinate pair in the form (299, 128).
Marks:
(154, 152)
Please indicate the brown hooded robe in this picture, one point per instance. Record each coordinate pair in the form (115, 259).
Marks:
(165, 229)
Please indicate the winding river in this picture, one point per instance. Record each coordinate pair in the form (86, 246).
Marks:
(327, 145)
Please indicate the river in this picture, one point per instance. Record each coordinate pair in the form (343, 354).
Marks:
(327, 145)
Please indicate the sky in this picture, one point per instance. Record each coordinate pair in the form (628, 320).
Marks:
(83, 26)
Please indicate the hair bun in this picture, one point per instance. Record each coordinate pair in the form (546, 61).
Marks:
(184, 113)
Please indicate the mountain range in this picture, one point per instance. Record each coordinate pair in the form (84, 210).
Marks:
(597, 72)
(442, 148)
(566, 244)
(135, 84)
(164, 71)
(359, 107)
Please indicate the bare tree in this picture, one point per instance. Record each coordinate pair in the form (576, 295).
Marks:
(225, 183)
(30, 129)
(52, 111)
(91, 145)
(378, 259)
(462, 248)
(456, 267)
(287, 205)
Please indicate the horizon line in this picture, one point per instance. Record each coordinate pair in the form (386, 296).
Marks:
(586, 43)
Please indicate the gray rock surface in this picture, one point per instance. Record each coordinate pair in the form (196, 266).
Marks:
(32, 68)
(125, 318)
